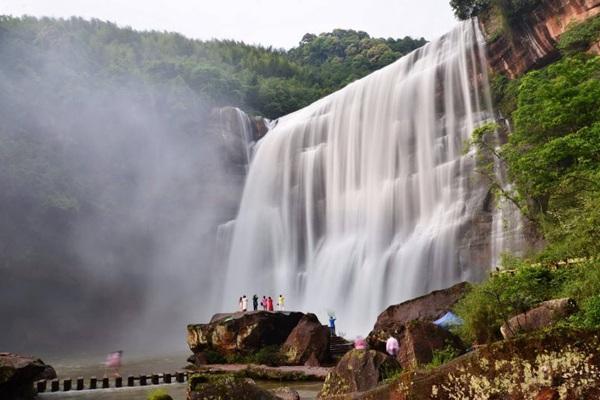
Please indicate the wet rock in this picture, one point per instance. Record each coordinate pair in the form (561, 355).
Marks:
(547, 394)
(358, 371)
(225, 387)
(429, 307)
(421, 339)
(242, 333)
(537, 366)
(17, 374)
(544, 315)
(285, 393)
(309, 340)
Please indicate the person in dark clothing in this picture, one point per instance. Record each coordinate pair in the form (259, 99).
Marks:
(255, 302)
(332, 325)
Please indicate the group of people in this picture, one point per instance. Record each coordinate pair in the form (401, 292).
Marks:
(266, 303)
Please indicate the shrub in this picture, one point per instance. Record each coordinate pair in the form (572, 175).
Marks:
(159, 394)
(214, 357)
(268, 355)
(442, 356)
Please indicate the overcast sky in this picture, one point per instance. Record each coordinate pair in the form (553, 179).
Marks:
(280, 23)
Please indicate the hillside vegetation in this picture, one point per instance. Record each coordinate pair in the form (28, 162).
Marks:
(553, 161)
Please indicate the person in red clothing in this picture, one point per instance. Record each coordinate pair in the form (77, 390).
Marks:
(270, 304)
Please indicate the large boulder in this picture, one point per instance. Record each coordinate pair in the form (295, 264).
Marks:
(544, 315)
(421, 339)
(17, 374)
(358, 371)
(242, 333)
(429, 307)
(225, 387)
(561, 364)
(308, 342)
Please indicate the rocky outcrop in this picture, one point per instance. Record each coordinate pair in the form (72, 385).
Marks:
(542, 316)
(421, 339)
(528, 367)
(308, 342)
(17, 374)
(225, 387)
(392, 321)
(358, 371)
(532, 42)
(242, 333)
(285, 393)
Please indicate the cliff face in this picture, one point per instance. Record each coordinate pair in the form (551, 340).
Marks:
(532, 43)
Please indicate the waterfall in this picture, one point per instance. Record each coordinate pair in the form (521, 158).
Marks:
(366, 197)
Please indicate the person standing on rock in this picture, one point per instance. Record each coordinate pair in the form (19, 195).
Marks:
(332, 324)
(270, 304)
(263, 303)
(255, 302)
(391, 346)
(244, 303)
(241, 304)
(281, 303)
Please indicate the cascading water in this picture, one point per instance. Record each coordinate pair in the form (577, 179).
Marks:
(366, 198)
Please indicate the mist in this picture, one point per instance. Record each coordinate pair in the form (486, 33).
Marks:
(113, 186)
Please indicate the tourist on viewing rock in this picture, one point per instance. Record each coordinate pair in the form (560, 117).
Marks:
(360, 343)
(255, 302)
(270, 304)
(391, 346)
(241, 304)
(263, 303)
(281, 303)
(244, 303)
(332, 324)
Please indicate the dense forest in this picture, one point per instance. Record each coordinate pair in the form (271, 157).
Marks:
(112, 186)
(267, 81)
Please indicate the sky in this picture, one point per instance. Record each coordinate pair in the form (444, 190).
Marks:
(278, 23)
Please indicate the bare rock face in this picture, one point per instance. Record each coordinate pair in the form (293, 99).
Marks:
(242, 333)
(533, 43)
(419, 341)
(425, 308)
(17, 374)
(307, 343)
(544, 315)
(358, 371)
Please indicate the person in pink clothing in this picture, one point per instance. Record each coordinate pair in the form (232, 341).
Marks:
(113, 362)
(391, 346)
(360, 343)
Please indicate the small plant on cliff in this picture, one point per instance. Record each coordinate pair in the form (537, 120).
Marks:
(442, 356)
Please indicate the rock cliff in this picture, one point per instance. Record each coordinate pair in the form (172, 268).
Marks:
(532, 42)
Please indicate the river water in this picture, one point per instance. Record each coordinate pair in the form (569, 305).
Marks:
(92, 365)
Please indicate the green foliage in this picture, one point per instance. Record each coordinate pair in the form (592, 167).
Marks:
(270, 82)
(159, 394)
(465, 9)
(580, 36)
(267, 355)
(553, 153)
(214, 357)
(488, 305)
(442, 356)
